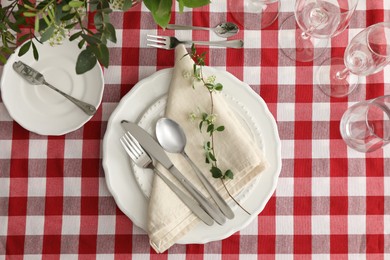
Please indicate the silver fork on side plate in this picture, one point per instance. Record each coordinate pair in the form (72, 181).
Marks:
(143, 160)
(170, 42)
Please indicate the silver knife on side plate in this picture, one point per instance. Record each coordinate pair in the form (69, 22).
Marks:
(154, 149)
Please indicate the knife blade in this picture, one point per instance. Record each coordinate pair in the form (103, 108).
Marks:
(154, 149)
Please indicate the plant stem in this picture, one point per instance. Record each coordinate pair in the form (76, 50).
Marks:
(213, 149)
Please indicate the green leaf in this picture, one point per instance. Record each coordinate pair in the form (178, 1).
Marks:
(25, 47)
(42, 25)
(160, 10)
(68, 17)
(81, 43)
(7, 50)
(181, 5)
(209, 85)
(216, 172)
(218, 87)
(228, 174)
(3, 59)
(36, 24)
(200, 125)
(220, 128)
(127, 4)
(210, 128)
(98, 19)
(14, 27)
(29, 7)
(70, 26)
(91, 39)
(109, 32)
(76, 4)
(35, 51)
(85, 61)
(66, 8)
(75, 36)
(29, 14)
(47, 33)
(212, 157)
(24, 37)
(194, 4)
(105, 10)
(102, 53)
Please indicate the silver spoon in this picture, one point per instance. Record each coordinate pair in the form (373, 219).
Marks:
(172, 138)
(224, 30)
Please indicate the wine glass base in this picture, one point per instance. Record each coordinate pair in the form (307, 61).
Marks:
(254, 14)
(330, 84)
(296, 47)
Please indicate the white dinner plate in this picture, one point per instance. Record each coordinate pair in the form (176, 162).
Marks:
(41, 110)
(119, 173)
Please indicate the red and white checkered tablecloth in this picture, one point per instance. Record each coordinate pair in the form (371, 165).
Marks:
(330, 202)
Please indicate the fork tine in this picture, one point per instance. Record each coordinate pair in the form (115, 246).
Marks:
(156, 46)
(156, 41)
(130, 144)
(156, 36)
(134, 143)
(126, 146)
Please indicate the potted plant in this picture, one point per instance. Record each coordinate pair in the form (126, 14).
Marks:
(53, 20)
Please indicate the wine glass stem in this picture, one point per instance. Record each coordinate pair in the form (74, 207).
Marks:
(305, 35)
(342, 74)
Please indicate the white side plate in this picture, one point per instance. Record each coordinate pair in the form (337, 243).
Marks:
(41, 110)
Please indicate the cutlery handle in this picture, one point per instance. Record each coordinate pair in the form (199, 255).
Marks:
(185, 27)
(87, 108)
(191, 204)
(232, 44)
(223, 206)
(204, 203)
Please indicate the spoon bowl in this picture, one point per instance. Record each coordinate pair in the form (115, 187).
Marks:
(170, 135)
(224, 30)
(172, 138)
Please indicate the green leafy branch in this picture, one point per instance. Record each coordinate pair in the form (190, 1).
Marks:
(161, 9)
(54, 20)
(208, 120)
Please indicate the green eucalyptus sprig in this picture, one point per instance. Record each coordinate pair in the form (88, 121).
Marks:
(54, 20)
(207, 120)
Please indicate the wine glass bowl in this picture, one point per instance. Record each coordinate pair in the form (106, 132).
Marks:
(315, 22)
(365, 126)
(366, 54)
(254, 14)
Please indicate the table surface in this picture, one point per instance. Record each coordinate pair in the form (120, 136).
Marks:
(330, 200)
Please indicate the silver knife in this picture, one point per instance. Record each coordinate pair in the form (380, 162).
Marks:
(36, 78)
(154, 149)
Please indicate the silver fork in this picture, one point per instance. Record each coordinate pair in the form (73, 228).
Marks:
(170, 42)
(143, 160)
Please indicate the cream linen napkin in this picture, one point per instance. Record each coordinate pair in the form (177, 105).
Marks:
(169, 219)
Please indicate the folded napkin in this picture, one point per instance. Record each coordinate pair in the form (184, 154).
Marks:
(169, 219)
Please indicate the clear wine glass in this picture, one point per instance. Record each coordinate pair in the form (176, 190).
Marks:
(304, 36)
(366, 54)
(254, 14)
(365, 126)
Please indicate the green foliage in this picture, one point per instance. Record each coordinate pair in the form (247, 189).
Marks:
(52, 21)
(207, 120)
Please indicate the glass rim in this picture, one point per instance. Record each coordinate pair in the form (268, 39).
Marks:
(384, 110)
(370, 28)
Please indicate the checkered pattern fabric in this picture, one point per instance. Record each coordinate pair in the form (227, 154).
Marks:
(330, 202)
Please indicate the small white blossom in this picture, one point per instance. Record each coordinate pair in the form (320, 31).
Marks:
(211, 79)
